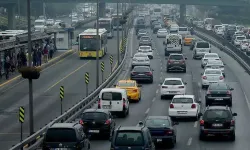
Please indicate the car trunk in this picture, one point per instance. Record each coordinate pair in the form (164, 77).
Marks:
(159, 131)
(219, 93)
(61, 145)
(217, 124)
(141, 74)
(212, 77)
(173, 88)
(182, 106)
(112, 101)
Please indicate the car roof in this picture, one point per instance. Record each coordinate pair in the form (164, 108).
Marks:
(63, 125)
(217, 107)
(175, 54)
(184, 96)
(158, 117)
(218, 83)
(112, 89)
(140, 54)
(95, 110)
(133, 128)
(127, 81)
(209, 69)
(145, 46)
(145, 36)
(141, 67)
(166, 79)
(210, 54)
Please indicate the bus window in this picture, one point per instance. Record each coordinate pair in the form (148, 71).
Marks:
(89, 44)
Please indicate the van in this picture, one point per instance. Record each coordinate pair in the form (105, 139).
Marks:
(183, 31)
(200, 49)
(173, 44)
(114, 100)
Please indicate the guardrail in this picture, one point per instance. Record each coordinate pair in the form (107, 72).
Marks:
(227, 47)
(73, 112)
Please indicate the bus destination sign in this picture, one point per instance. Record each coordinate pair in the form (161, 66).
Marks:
(88, 36)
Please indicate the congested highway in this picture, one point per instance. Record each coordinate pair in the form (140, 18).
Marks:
(187, 131)
(68, 72)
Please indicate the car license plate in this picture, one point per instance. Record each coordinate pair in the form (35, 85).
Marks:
(172, 92)
(217, 125)
(94, 131)
(140, 74)
(159, 140)
(181, 112)
(219, 99)
(106, 106)
(176, 62)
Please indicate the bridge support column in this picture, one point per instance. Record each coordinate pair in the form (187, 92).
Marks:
(102, 9)
(11, 9)
(182, 13)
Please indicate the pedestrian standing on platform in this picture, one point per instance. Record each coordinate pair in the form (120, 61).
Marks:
(45, 53)
(51, 50)
(23, 58)
(39, 57)
(7, 67)
(34, 56)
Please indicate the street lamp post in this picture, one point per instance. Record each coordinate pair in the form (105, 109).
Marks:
(117, 29)
(97, 50)
(31, 119)
(122, 24)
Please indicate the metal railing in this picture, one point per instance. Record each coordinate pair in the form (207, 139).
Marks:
(74, 111)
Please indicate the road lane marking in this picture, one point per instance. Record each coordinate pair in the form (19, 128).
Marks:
(153, 99)
(160, 78)
(199, 84)
(157, 91)
(195, 124)
(189, 141)
(147, 111)
(67, 76)
(15, 78)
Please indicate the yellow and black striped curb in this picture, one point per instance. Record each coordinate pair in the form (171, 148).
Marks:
(102, 66)
(21, 114)
(111, 59)
(87, 78)
(62, 92)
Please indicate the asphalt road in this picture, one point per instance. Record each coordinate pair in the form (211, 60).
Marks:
(187, 132)
(69, 73)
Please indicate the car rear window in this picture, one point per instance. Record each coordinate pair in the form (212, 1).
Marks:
(176, 57)
(218, 87)
(94, 116)
(202, 45)
(183, 29)
(172, 82)
(145, 38)
(212, 72)
(211, 56)
(141, 69)
(61, 135)
(145, 47)
(129, 138)
(111, 96)
(216, 114)
(155, 122)
(182, 100)
(126, 84)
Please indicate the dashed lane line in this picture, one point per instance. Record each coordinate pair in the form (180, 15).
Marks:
(189, 141)
(146, 112)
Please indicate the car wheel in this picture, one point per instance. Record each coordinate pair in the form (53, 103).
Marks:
(207, 103)
(232, 137)
(172, 144)
(202, 66)
(194, 57)
(202, 137)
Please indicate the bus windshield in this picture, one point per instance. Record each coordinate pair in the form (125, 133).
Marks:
(89, 44)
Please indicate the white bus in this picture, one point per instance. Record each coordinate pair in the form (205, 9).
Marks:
(107, 24)
(116, 20)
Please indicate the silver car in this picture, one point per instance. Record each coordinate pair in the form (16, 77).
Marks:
(216, 64)
(140, 59)
(211, 76)
(146, 50)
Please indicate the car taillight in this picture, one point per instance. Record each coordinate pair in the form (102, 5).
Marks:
(221, 77)
(202, 122)
(229, 92)
(168, 132)
(124, 102)
(232, 122)
(148, 73)
(164, 87)
(182, 62)
(181, 87)
(171, 106)
(204, 77)
(99, 104)
(81, 122)
(170, 61)
(193, 106)
(208, 92)
(108, 122)
(133, 73)
(135, 90)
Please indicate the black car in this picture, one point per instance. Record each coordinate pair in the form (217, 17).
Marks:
(217, 121)
(98, 122)
(142, 73)
(66, 136)
(162, 130)
(219, 93)
(132, 138)
(176, 62)
(145, 40)
(156, 28)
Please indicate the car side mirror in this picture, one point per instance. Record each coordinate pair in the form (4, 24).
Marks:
(186, 58)
(200, 114)
(234, 114)
(219, 57)
(185, 83)
(152, 69)
(176, 123)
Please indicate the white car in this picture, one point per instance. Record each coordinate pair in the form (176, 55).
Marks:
(50, 21)
(162, 33)
(146, 50)
(216, 64)
(211, 76)
(220, 31)
(184, 106)
(244, 45)
(173, 86)
(140, 59)
(207, 57)
(238, 40)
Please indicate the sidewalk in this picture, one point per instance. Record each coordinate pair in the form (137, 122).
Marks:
(15, 76)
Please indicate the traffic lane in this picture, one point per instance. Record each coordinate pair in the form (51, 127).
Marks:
(237, 78)
(160, 106)
(18, 96)
(138, 110)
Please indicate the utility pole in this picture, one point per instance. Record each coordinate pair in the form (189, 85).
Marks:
(31, 119)
(98, 48)
(117, 29)
(44, 10)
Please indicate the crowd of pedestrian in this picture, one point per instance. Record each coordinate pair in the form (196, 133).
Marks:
(40, 54)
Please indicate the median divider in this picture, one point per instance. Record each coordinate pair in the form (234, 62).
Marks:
(228, 47)
(35, 140)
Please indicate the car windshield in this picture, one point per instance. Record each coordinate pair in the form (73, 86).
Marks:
(241, 38)
(145, 38)
(126, 84)
(216, 114)
(111, 96)
(157, 123)
(218, 87)
(172, 82)
(211, 56)
(183, 29)
(141, 69)
(94, 116)
(129, 138)
(217, 72)
(182, 100)
(140, 55)
(61, 135)
(176, 57)
(202, 45)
